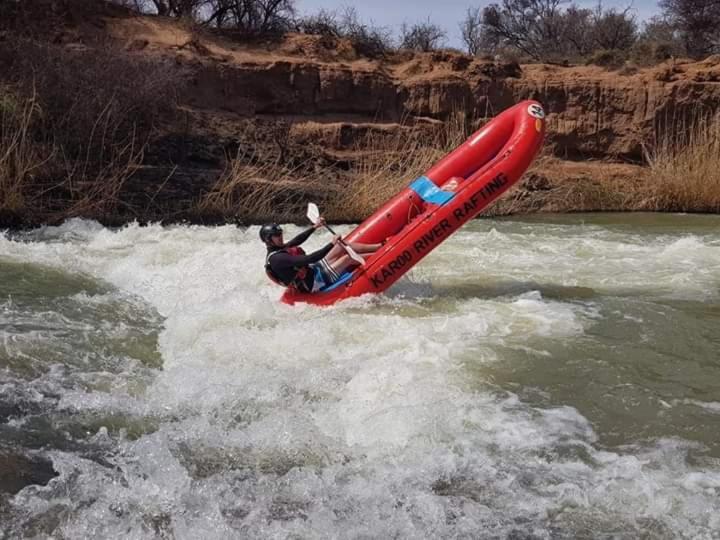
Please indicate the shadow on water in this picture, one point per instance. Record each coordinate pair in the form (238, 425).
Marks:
(18, 471)
(33, 280)
(411, 298)
(488, 290)
(418, 290)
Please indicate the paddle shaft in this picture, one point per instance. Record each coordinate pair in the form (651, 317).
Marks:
(349, 250)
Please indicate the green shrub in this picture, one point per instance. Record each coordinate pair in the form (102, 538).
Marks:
(607, 58)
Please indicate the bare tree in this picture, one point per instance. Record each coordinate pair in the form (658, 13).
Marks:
(425, 36)
(535, 27)
(323, 23)
(658, 41)
(663, 36)
(471, 30)
(170, 8)
(176, 8)
(659, 29)
(614, 30)
(698, 22)
(367, 38)
(578, 31)
(250, 16)
(141, 6)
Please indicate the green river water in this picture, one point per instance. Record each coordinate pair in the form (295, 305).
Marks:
(534, 377)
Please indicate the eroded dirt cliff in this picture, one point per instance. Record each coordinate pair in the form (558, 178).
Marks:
(314, 99)
(592, 111)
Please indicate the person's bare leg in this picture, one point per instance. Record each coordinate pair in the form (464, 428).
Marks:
(335, 253)
(339, 251)
(342, 264)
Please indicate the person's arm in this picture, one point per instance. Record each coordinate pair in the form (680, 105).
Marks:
(283, 260)
(300, 238)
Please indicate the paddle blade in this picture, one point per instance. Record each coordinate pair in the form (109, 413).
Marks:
(313, 213)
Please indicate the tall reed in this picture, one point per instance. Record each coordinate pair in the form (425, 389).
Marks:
(385, 164)
(684, 169)
(20, 156)
(252, 190)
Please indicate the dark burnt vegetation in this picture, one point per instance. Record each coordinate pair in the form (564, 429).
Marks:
(74, 121)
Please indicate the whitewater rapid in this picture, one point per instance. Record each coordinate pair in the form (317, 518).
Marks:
(195, 405)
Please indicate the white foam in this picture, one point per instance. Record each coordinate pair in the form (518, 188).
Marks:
(364, 419)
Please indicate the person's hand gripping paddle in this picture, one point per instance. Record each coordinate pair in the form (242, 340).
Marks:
(313, 214)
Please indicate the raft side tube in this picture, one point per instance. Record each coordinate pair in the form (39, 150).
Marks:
(478, 150)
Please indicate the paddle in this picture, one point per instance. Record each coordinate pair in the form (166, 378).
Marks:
(313, 214)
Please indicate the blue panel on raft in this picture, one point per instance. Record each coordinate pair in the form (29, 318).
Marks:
(429, 192)
(346, 276)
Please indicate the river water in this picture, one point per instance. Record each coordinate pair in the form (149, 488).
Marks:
(544, 377)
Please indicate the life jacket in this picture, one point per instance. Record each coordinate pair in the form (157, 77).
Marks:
(300, 274)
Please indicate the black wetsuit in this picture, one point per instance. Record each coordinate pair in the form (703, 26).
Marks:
(285, 266)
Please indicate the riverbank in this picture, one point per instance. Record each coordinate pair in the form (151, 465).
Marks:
(118, 117)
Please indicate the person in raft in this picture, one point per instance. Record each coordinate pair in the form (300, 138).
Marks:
(287, 264)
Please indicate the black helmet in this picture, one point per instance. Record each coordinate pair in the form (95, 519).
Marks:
(268, 231)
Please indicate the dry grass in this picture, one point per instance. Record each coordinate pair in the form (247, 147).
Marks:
(387, 164)
(39, 181)
(94, 183)
(74, 125)
(252, 190)
(72, 138)
(257, 188)
(682, 175)
(684, 170)
(550, 185)
(580, 195)
(20, 157)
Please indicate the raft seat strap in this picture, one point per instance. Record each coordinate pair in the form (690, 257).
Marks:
(430, 192)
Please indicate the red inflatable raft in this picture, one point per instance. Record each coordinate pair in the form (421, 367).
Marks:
(431, 208)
